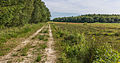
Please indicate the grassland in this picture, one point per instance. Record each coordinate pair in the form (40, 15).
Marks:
(11, 37)
(87, 42)
(73, 43)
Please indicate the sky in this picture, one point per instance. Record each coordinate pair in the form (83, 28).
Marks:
(63, 8)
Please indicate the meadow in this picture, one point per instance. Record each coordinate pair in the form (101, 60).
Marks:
(87, 42)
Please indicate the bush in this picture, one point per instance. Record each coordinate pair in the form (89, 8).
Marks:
(76, 47)
(105, 54)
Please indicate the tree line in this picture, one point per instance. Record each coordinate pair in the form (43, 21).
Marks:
(20, 12)
(90, 18)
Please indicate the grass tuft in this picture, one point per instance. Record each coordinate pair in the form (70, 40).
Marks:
(38, 58)
(41, 37)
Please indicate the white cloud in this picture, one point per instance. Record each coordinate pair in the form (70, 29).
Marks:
(83, 6)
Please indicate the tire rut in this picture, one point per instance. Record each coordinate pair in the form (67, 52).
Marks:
(49, 51)
(8, 57)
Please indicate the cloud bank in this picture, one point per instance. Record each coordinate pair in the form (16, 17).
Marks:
(61, 8)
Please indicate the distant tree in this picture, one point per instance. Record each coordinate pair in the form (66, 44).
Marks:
(91, 18)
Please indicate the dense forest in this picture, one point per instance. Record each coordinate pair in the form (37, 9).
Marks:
(20, 12)
(91, 18)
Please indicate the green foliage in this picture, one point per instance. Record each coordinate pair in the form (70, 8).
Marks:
(46, 39)
(117, 34)
(76, 45)
(2, 40)
(91, 18)
(40, 12)
(41, 37)
(15, 54)
(46, 31)
(43, 46)
(20, 12)
(16, 32)
(38, 58)
(105, 54)
(23, 51)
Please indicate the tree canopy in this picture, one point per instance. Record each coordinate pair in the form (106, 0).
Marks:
(91, 18)
(20, 12)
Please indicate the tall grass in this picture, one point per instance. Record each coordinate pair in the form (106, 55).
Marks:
(17, 32)
(75, 48)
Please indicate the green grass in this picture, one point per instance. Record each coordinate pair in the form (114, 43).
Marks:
(11, 37)
(3, 40)
(41, 37)
(9, 62)
(38, 58)
(18, 31)
(43, 46)
(83, 43)
(15, 54)
(46, 31)
(104, 33)
(46, 39)
(23, 51)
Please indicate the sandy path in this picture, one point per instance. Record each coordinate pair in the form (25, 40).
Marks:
(49, 51)
(7, 57)
(30, 58)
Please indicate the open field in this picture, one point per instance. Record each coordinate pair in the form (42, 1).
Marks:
(56, 42)
(87, 42)
(72, 31)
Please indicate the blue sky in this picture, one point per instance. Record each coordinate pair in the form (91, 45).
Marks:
(61, 8)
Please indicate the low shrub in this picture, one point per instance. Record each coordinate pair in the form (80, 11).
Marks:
(105, 54)
(77, 48)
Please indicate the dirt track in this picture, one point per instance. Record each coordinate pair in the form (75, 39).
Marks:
(7, 57)
(48, 53)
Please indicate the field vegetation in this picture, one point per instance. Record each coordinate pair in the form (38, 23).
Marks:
(26, 36)
(87, 43)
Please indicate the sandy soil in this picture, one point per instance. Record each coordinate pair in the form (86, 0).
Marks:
(7, 57)
(48, 54)
(49, 51)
